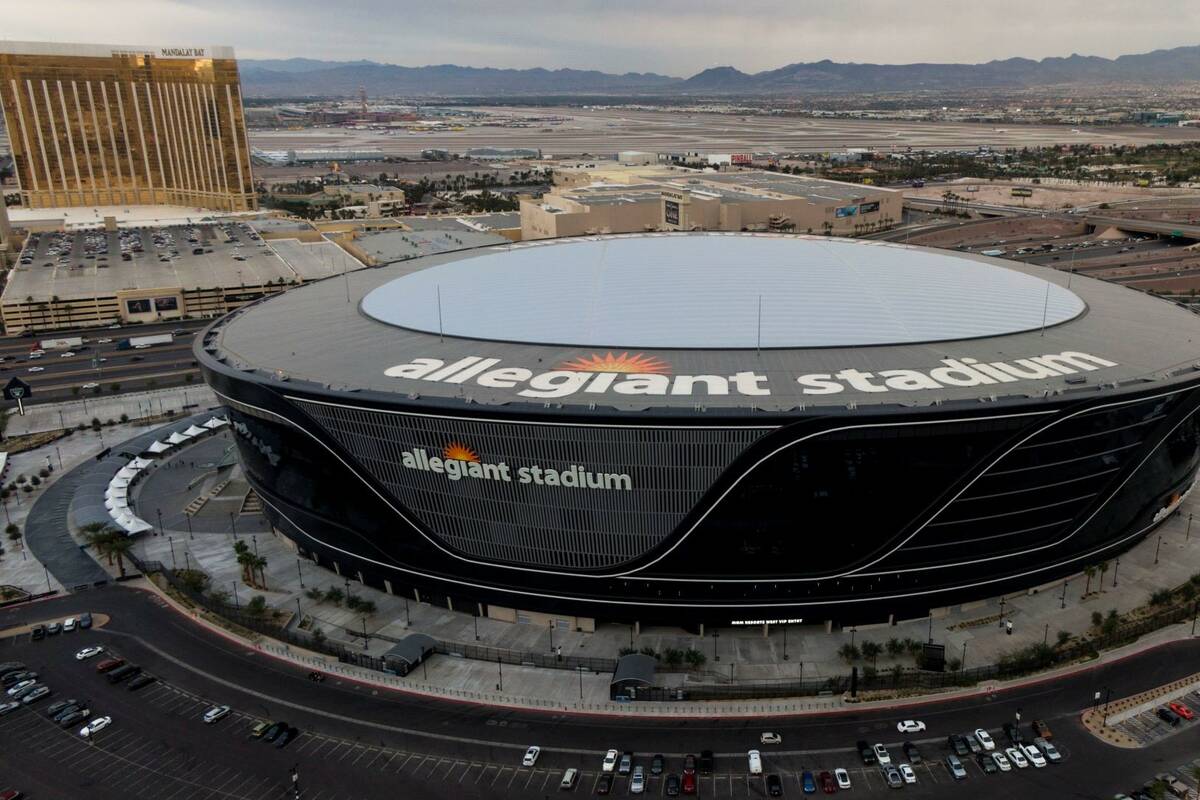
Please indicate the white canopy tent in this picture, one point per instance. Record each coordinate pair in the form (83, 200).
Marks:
(177, 438)
(139, 463)
(216, 422)
(195, 430)
(158, 447)
(127, 473)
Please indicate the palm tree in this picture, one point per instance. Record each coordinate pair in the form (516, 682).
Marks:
(1089, 571)
(259, 563)
(101, 536)
(120, 547)
(1103, 567)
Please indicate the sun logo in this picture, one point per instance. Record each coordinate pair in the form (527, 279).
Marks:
(457, 451)
(639, 363)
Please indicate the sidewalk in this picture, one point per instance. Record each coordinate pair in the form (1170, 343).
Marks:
(136, 405)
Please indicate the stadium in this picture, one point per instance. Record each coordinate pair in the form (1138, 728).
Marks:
(715, 428)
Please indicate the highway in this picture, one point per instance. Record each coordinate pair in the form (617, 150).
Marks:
(55, 377)
(359, 741)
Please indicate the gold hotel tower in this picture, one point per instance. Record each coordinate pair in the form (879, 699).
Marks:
(101, 125)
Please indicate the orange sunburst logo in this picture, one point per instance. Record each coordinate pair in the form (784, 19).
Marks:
(637, 363)
(457, 451)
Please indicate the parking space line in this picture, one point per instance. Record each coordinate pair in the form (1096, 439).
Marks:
(499, 772)
(484, 771)
(470, 766)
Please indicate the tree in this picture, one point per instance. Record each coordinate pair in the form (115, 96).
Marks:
(259, 563)
(871, 650)
(1063, 637)
(1090, 572)
(1097, 619)
(849, 652)
(894, 647)
(101, 535)
(120, 548)
(334, 595)
(1111, 623)
(694, 657)
(257, 605)
(1103, 567)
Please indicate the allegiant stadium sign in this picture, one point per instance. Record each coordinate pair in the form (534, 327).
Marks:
(639, 374)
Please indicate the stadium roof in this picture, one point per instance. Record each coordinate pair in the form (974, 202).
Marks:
(720, 292)
(852, 329)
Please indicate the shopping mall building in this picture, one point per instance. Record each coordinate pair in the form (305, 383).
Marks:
(710, 427)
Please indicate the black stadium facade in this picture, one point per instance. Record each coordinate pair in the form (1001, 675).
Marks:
(720, 428)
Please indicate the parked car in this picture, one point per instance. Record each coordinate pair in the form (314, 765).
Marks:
(95, 726)
(973, 744)
(215, 713)
(18, 689)
(1173, 784)
(610, 761)
(912, 753)
(893, 778)
(37, 693)
(637, 781)
(1168, 716)
(58, 706)
(1034, 755)
(689, 763)
(671, 785)
(754, 760)
(906, 772)
(656, 764)
(910, 726)
(89, 652)
(958, 744)
(140, 682)
(286, 735)
(531, 756)
(569, 779)
(986, 763)
(807, 783)
(865, 752)
(1002, 762)
(1013, 732)
(842, 777)
(272, 733)
(1040, 728)
(1181, 710)
(770, 738)
(260, 729)
(604, 785)
(882, 755)
(985, 739)
(109, 664)
(8, 708)
(957, 771)
(626, 764)
(1048, 750)
(1017, 758)
(38, 632)
(69, 623)
(688, 783)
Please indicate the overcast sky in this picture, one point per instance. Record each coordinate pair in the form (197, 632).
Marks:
(675, 37)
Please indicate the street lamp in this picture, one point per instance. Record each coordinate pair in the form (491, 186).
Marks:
(188, 519)
(1188, 535)
(160, 527)
(551, 636)
(1157, 548)
(174, 566)
(301, 574)
(366, 639)
(236, 604)
(233, 524)
(347, 592)
(1116, 567)
(1064, 594)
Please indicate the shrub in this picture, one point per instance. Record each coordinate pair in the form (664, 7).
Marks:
(257, 605)
(11, 529)
(315, 594)
(124, 418)
(694, 657)
(1111, 623)
(1097, 619)
(649, 651)
(366, 607)
(44, 472)
(672, 656)
(894, 647)
(318, 635)
(1160, 598)
(35, 480)
(1063, 637)
(953, 664)
(334, 595)
(193, 579)
(871, 650)
(95, 423)
(849, 652)
(626, 651)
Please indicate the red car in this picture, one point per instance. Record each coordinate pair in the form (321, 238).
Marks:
(689, 783)
(828, 785)
(109, 664)
(1181, 710)
(11, 794)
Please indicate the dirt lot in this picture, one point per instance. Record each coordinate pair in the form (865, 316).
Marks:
(1044, 195)
(1008, 229)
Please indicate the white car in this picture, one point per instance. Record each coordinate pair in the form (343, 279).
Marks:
(215, 713)
(39, 691)
(907, 773)
(531, 756)
(882, 755)
(1002, 763)
(90, 386)
(96, 725)
(842, 777)
(8, 708)
(67, 354)
(1048, 750)
(88, 652)
(770, 738)
(985, 739)
(36, 369)
(637, 783)
(15, 689)
(910, 726)
(141, 347)
(69, 624)
(610, 761)
(104, 341)
(755, 760)
(1034, 755)
(1017, 758)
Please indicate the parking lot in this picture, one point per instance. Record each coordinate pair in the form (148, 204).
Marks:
(1147, 727)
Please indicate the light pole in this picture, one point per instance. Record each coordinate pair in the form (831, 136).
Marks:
(962, 662)
(160, 527)
(476, 620)
(188, 519)
(1046, 635)
(254, 538)
(187, 561)
(551, 636)
(785, 652)
(1116, 566)
(299, 573)
(174, 566)
(366, 639)
(236, 604)
(1188, 534)
(233, 524)
(347, 592)
(407, 618)
(580, 670)
(1064, 594)
(500, 673)
(1157, 547)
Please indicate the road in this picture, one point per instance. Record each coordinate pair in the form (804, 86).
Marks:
(358, 741)
(131, 370)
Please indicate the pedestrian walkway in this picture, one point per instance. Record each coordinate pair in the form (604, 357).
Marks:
(134, 405)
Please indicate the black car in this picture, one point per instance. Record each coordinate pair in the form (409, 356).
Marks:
(288, 734)
(85, 620)
(912, 753)
(1168, 716)
(973, 744)
(275, 731)
(958, 744)
(866, 752)
(140, 681)
(1013, 733)
(11, 666)
(13, 678)
(774, 785)
(123, 673)
(39, 632)
(986, 763)
(604, 785)
(656, 764)
(706, 762)
(71, 709)
(61, 705)
(671, 786)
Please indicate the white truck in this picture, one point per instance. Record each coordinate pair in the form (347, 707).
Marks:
(142, 342)
(65, 343)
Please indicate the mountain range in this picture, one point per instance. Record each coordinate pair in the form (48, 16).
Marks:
(305, 77)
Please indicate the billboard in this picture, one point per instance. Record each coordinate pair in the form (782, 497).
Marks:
(166, 304)
(867, 208)
(846, 211)
(671, 212)
(139, 306)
